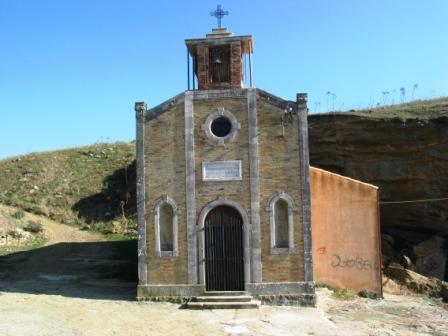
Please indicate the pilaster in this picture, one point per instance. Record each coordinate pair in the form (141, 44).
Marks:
(302, 112)
(190, 190)
(140, 110)
(254, 187)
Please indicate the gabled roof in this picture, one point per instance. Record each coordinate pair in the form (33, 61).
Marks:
(154, 112)
(267, 97)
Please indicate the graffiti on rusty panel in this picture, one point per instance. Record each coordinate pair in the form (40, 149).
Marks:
(351, 262)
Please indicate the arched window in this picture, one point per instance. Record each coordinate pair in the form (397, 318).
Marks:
(281, 207)
(165, 227)
(281, 224)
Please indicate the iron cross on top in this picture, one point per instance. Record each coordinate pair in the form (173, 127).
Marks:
(219, 14)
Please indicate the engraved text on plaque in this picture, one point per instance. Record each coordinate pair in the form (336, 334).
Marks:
(221, 170)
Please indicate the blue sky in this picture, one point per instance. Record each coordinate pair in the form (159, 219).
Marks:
(70, 71)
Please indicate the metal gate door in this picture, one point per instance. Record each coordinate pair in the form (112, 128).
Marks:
(224, 262)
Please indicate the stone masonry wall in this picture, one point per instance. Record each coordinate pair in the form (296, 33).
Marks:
(279, 171)
(165, 175)
(237, 149)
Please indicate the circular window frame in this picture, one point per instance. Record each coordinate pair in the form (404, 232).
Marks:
(207, 125)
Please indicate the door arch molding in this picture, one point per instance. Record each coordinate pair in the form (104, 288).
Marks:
(201, 235)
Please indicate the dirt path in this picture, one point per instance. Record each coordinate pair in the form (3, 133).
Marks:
(72, 263)
(54, 232)
(60, 233)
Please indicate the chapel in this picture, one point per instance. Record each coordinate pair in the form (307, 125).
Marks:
(223, 190)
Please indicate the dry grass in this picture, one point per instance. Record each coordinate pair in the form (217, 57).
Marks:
(419, 109)
(89, 186)
(14, 235)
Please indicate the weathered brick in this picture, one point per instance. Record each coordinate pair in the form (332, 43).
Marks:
(279, 169)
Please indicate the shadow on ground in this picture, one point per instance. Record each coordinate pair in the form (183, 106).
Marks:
(98, 270)
(117, 196)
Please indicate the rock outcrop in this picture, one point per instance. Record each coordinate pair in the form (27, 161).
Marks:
(406, 155)
(415, 282)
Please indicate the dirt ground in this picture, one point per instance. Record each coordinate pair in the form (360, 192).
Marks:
(42, 314)
(80, 284)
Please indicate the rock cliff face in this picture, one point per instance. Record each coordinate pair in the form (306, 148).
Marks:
(405, 153)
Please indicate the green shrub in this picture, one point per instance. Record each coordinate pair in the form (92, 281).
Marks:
(18, 214)
(33, 227)
(322, 285)
(344, 294)
(368, 294)
(15, 234)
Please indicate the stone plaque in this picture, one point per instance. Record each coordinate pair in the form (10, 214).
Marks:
(221, 170)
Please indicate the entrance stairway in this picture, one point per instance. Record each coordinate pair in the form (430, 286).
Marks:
(223, 300)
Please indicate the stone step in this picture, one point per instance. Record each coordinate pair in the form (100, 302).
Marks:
(223, 305)
(224, 293)
(222, 298)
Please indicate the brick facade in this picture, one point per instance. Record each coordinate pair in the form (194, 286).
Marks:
(203, 68)
(236, 73)
(279, 170)
(202, 65)
(165, 175)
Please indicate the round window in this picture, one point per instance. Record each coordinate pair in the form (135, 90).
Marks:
(221, 127)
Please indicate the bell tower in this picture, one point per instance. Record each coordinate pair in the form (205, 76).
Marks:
(218, 59)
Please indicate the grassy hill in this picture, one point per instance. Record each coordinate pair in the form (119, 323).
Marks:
(88, 186)
(420, 109)
(94, 186)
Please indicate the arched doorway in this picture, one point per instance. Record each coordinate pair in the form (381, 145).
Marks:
(224, 252)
